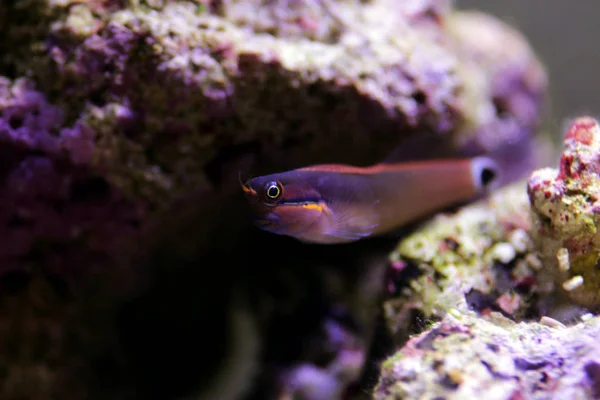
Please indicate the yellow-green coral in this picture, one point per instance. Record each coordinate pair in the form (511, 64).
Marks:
(457, 254)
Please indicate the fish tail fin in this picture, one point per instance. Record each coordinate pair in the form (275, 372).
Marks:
(513, 157)
(485, 173)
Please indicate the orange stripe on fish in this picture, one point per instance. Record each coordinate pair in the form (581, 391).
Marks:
(313, 206)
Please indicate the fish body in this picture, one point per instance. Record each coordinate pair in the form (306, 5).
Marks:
(335, 203)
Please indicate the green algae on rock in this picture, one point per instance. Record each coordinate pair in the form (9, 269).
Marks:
(466, 357)
(566, 209)
(481, 257)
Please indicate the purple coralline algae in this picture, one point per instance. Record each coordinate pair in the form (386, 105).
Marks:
(58, 213)
(112, 111)
(566, 208)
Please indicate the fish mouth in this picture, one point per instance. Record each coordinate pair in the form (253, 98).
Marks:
(270, 223)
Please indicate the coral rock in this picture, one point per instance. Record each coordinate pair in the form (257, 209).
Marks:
(565, 206)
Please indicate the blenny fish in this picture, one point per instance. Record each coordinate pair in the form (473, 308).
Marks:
(334, 203)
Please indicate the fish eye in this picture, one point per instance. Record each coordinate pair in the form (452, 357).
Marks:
(273, 190)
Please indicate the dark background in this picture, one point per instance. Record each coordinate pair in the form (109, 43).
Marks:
(565, 35)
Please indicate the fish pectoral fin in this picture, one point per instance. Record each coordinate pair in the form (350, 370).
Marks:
(418, 148)
(347, 235)
(351, 225)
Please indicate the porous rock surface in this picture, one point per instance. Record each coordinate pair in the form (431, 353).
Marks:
(466, 356)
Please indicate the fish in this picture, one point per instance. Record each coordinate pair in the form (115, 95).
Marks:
(337, 203)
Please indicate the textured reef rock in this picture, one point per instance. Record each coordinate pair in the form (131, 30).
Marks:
(173, 92)
(566, 208)
(465, 356)
(111, 112)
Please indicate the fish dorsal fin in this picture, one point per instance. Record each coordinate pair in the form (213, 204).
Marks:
(426, 145)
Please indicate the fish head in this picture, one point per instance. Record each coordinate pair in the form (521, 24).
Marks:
(284, 203)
